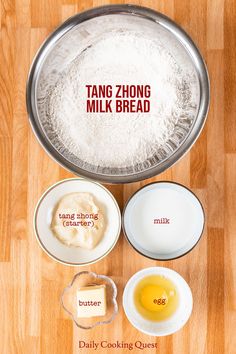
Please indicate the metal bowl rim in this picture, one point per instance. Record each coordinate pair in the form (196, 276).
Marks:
(146, 13)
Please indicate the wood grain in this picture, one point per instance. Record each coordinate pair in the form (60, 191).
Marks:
(32, 320)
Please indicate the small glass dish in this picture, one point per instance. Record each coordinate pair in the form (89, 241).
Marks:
(69, 299)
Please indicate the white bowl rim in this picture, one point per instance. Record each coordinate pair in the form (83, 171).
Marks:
(158, 183)
(37, 233)
(157, 270)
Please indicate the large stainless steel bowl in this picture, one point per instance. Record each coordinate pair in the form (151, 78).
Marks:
(49, 63)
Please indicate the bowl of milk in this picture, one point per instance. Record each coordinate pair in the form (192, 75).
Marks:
(163, 220)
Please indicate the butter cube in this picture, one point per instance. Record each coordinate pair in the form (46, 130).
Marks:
(91, 301)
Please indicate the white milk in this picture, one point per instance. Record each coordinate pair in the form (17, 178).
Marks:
(164, 218)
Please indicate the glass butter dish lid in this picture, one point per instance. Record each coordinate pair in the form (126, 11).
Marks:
(90, 300)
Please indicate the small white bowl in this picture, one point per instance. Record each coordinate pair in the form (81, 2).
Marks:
(170, 201)
(172, 324)
(68, 255)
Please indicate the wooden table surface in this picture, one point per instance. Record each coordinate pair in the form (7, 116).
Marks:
(31, 318)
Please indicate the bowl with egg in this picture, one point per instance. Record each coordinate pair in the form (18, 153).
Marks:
(77, 222)
(157, 301)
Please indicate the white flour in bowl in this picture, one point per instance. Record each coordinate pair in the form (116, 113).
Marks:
(120, 140)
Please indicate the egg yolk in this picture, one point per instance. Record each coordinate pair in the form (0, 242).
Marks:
(153, 298)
